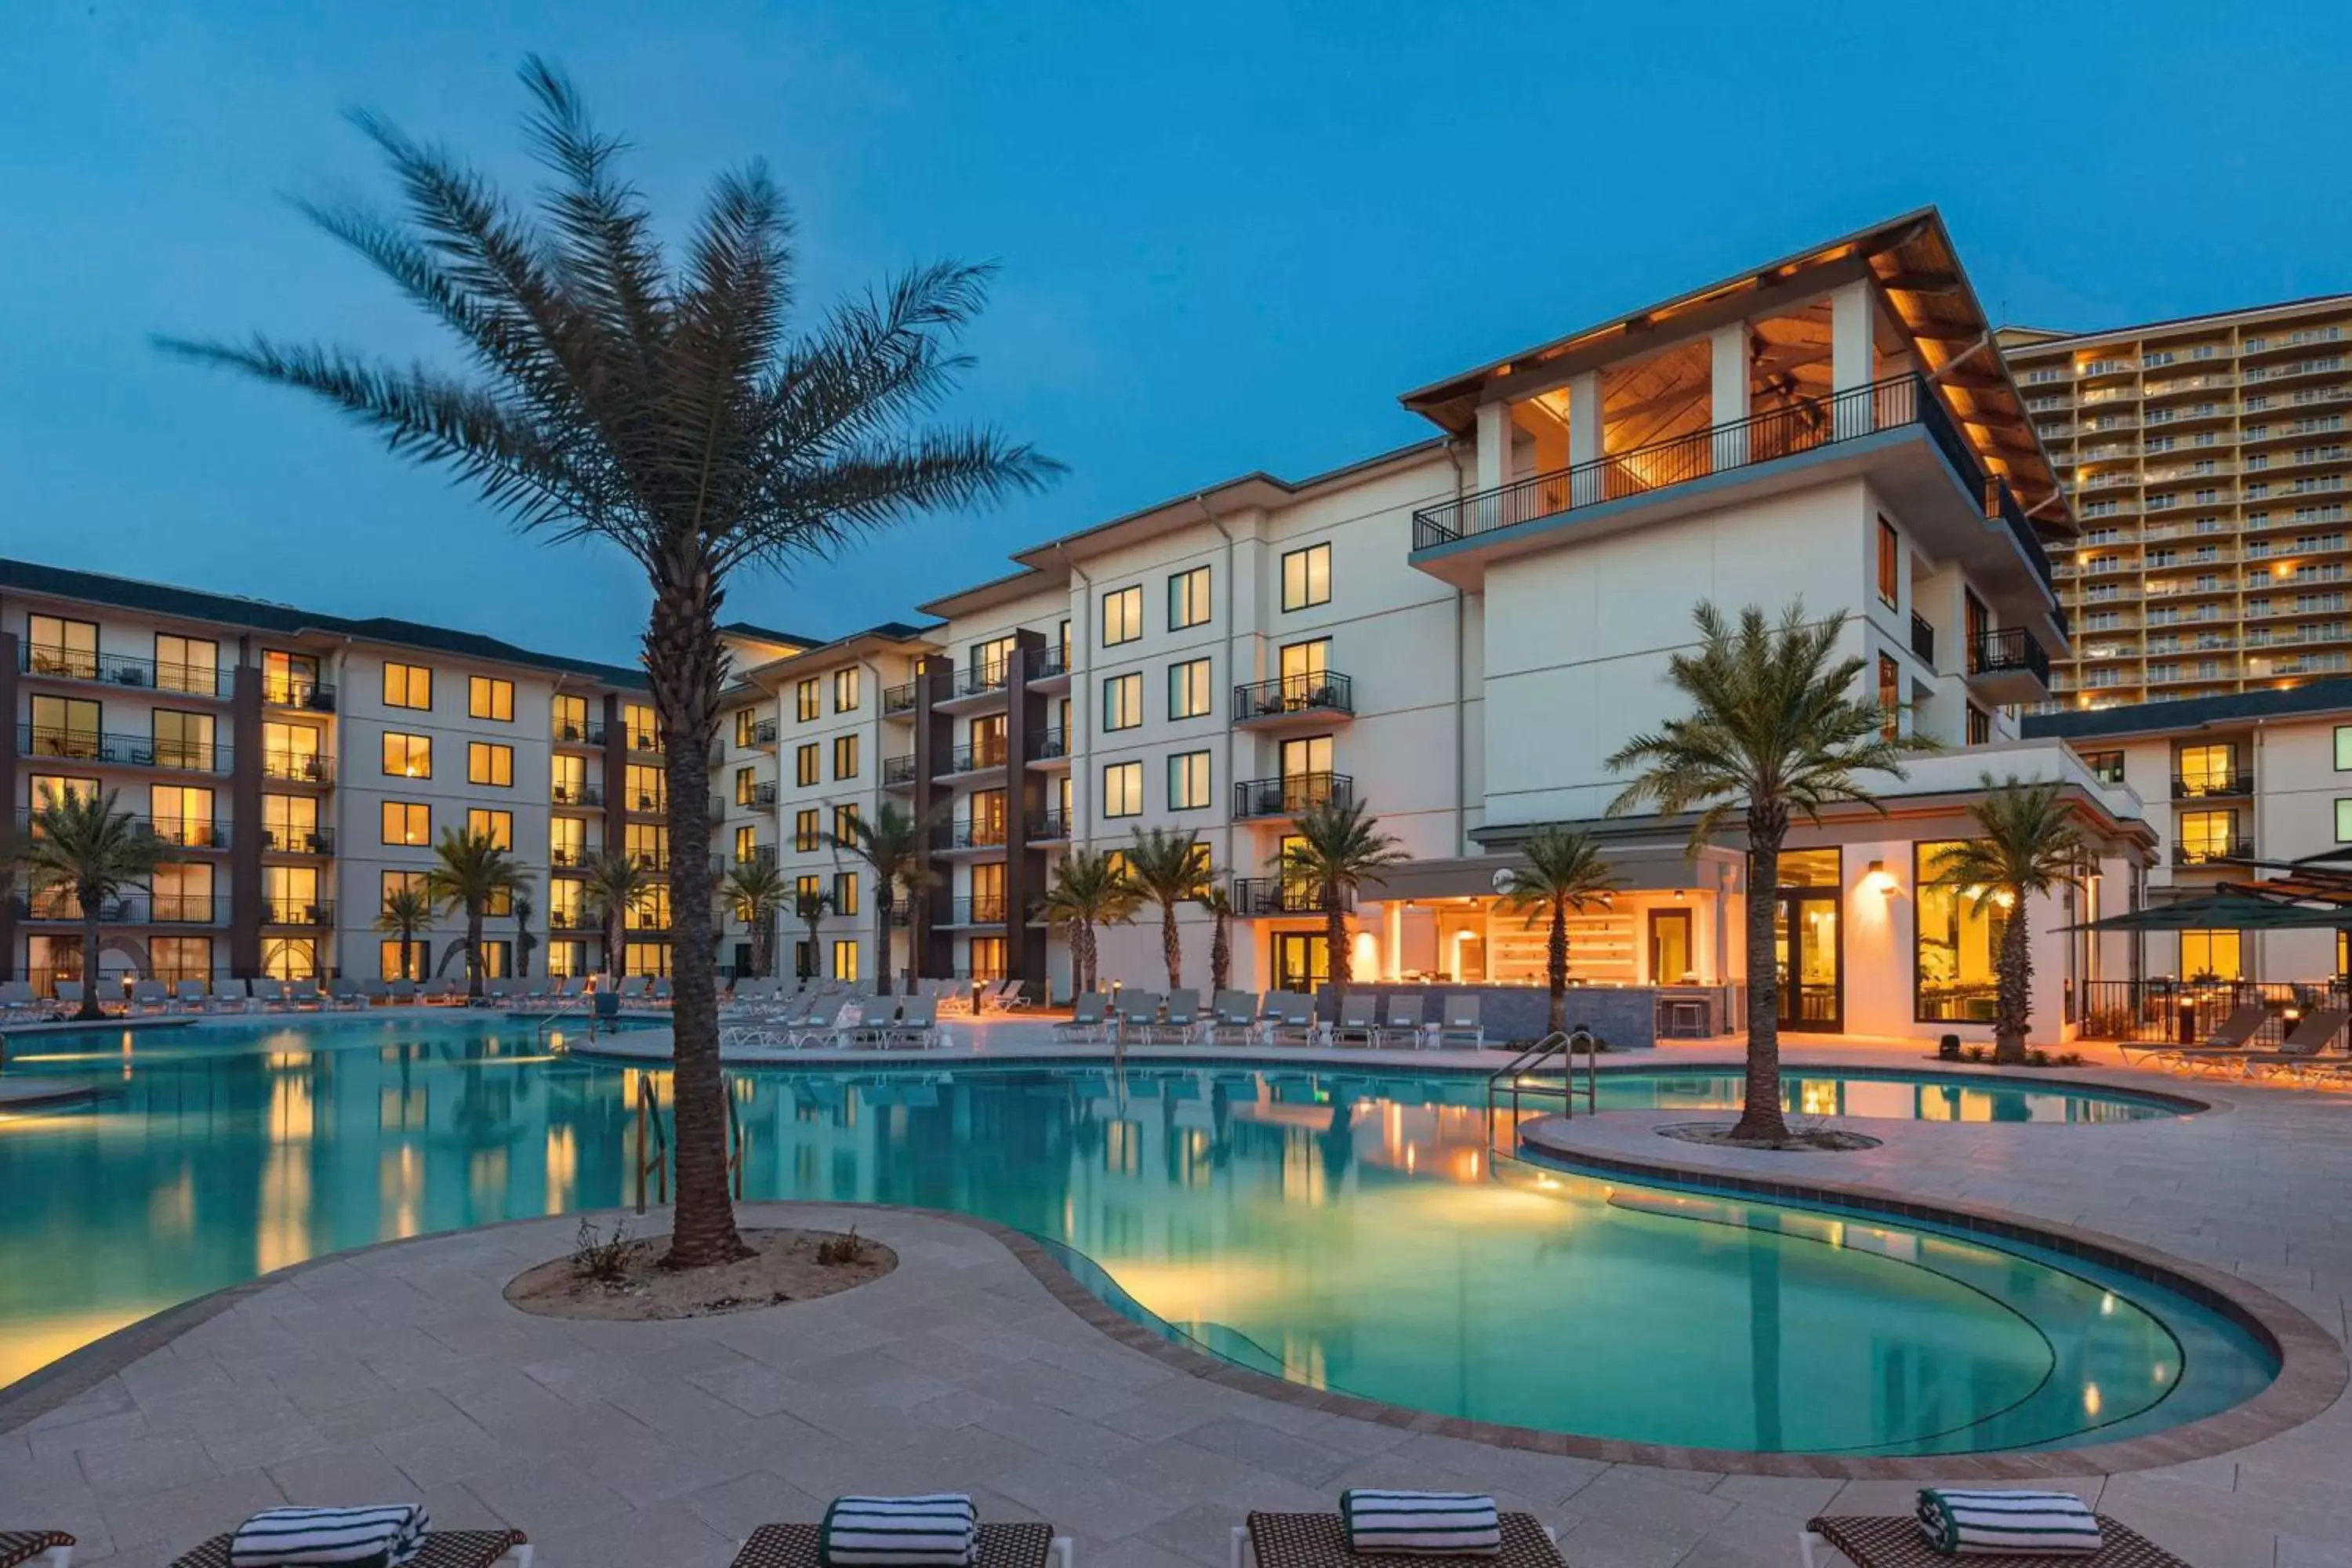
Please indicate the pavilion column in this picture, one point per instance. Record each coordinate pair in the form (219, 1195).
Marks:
(1585, 437)
(1851, 312)
(1495, 429)
(1727, 394)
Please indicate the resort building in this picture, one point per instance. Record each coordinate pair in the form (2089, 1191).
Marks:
(2209, 469)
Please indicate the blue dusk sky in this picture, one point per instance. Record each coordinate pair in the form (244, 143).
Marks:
(1229, 234)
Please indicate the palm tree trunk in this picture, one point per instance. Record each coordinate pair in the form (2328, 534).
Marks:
(1082, 958)
(881, 944)
(90, 1007)
(407, 939)
(1169, 948)
(1221, 954)
(1335, 942)
(686, 668)
(474, 965)
(1556, 954)
(1760, 1117)
(2013, 1012)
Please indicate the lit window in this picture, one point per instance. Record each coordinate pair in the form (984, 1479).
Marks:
(1122, 702)
(845, 693)
(1957, 942)
(1307, 577)
(844, 960)
(1188, 780)
(844, 756)
(844, 893)
(1123, 789)
(744, 784)
(407, 822)
(804, 763)
(1890, 697)
(644, 788)
(745, 718)
(845, 824)
(407, 756)
(1122, 617)
(497, 826)
(488, 762)
(407, 686)
(804, 831)
(1890, 564)
(487, 697)
(2207, 836)
(804, 700)
(1188, 598)
(1188, 688)
(2209, 954)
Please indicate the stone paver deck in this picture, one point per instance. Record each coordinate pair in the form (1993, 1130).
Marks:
(400, 1371)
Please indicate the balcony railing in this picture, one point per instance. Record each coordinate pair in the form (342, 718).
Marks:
(296, 912)
(1281, 896)
(898, 770)
(2236, 782)
(986, 910)
(302, 767)
(2008, 648)
(299, 691)
(972, 759)
(1049, 826)
(644, 738)
(179, 832)
(281, 840)
(1046, 745)
(646, 802)
(2213, 854)
(564, 857)
(588, 733)
(123, 750)
(979, 680)
(762, 854)
(1050, 663)
(763, 732)
(130, 909)
(118, 669)
(764, 794)
(1923, 639)
(899, 699)
(564, 793)
(1325, 691)
(1290, 795)
(968, 835)
(573, 919)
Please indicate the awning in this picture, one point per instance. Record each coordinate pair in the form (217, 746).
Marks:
(2230, 909)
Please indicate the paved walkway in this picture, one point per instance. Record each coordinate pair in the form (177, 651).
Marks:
(401, 1372)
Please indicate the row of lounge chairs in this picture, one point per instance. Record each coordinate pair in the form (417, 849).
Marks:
(157, 998)
(2302, 1055)
(1276, 1018)
(829, 1017)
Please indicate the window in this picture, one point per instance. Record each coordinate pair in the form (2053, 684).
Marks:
(644, 788)
(179, 814)
(2107, 767)
(490, 763)
(176, 958)
(1890, 697)
(64, 726)
(407, 756)
(1188, 780)
(1307, 577)
(1979, 726)
(1122, 702)
(407, 822)
(844, 756)
(498, 826)
(2209, 954)
(387, 883)
(806, 888)
(804, 763)
(487, 697)
(2206, 836)
(845, 959)
(647, 843)
(845, 824)
(1188, 598)
(187, 664)
(183, 740)
(845, 695)
(744, 784)
(291, 822)
(1958, 940)
(568, 717)
(806, 700)
(2208, 770)
(1188, 688)
(747, 845)
(56, 647)
(567, 841)
(2344, 821)
(407, 686)
(1123, 789)
(388, 959)
(643, 727)
(181, 891)
(987, 966)
(2344, 748)
(844, 893)
(745, 718)
(1890, 564)
(291, 679)
(804, 831)
(1122, 617)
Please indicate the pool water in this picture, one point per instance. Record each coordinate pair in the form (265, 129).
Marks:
(1347, 1229)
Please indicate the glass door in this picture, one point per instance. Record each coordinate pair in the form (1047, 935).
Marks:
(1302, 960)
(1806, 948)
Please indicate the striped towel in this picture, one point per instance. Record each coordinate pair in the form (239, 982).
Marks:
(1431, 1524)
(381, 1537)
(2001, 1523)
(934, 1530)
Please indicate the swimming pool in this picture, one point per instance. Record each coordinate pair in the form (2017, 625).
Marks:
(1346, 1228)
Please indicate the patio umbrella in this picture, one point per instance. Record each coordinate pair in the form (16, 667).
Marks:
(2228, 909)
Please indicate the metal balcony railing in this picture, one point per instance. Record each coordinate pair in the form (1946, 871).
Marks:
(123, 751)
(2008, 648)
(764, 794)
(1290, 795)
(1325, 691)
(127, 908)
(1923, 639)
(564, 857)
(589, 734)
(899, 699)
(973, 759)
(762, 854)
(282, 840)
(564, 793)
(1281, 896)
(899, 770)
(2237, 781)
(763, 732)
(968, 835)
(646, 739)
(573, 919)
(1049, 826)
(296, 912)
(299, 691)
(1050, 663)
(1047, 745)
(179, 832)
(979, 680)
(299, 767)
(986, 910)
(2210, 853)
(119, 669)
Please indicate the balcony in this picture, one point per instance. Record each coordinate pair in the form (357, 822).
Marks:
(1923, 640)
(303, 692)
(1289, 797)
(178, 832)
(764, 734)
(1049, 746)
(1294, 699)
(2223, 853)
(645, 801)
(123, 751)
(590, 732)
(567, 857)
(972, 759)
(2009, 666)
(296, 912)
(646, 739)
(1049, 827)
(298, 767)
(116, 670)
(573, 919)
(762, 854)
(898, 773)
(278, 839)
(986, 910)
(968, 834)
(763, 797)
(63, 907)
(2205, 786)
(582, 794)
(1051, 666)
(898, 701)
(1259, 896)
(976, 686)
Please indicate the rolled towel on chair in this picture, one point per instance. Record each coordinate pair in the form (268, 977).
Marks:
(1434, 1524)
(934, 1530)
(381, 1537)
(2006, 1523)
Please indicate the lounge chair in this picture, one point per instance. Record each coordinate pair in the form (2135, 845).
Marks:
(402, 993)
(2240, 1026)
(633, 989)
(1463, 1020)
(995, 1546)
(230, 996)
(1183, 1020)
(18, 1001)
(53, 1547)
(149, 996)
(442, 1549)
(1320, 1541)
(1012, 996)
(917, 1025)
(1232, 1018)
(372, 991)
(1138, 1011)
(1892, 1540)
(343, 993)
(1358, 1016)
(1085, 1020)
(813, 1022)
(304, 994)
(1402, 1020)
(659, 995)
(1294, 1023)
(187, 996)
(2300, 1051)
(69, 998)
(268, 996)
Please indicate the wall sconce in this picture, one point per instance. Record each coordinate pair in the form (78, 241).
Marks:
(1880, 876)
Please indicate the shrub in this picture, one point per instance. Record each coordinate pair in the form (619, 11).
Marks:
(838, 1251)
(603, 1259)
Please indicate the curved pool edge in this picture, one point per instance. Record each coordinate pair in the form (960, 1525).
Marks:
(2309, 1359)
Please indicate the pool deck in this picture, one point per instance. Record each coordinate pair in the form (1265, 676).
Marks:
(400, 1371)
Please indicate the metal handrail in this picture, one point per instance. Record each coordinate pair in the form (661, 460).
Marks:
(649, 1118)
(1563, 1044)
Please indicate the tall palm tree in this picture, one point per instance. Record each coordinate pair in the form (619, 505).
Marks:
(80, 844)
(406, 911)
(613, 884)
(1219, 901)
(812, 909)
(1565, 871)
(890, 842)
(1169, 870)
(665, 404)
(1337, 847)
(1088, 890)
(2030, 846)
(754, 891)
(1774, 732)
(469, 872)
(519, 905)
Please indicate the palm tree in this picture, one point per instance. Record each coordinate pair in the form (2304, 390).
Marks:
(1337, 846)
(812, 909)
(1565, 871)
(406, 911)
(890, 842)
(470, 871)
(1088, 890)
(754, 891)
(1219, 901)
(1168, 868)
(613, 884)
(2030, 846)
(665, 405)
(80, 844)
(1774, 732)
(522, 909)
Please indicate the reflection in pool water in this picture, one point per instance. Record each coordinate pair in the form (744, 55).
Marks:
(1345, 1228)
